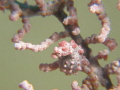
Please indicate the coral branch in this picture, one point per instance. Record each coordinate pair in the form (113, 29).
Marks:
(25, 85)
(102, 55)
(114, 68)
(26, 28)
(47, 8)
(109, 42)
(72, 19)
(16, 12)
(118, 5)
(43, 45)
(75, 86)
(96, 7)
(48, 67)
(87, 82)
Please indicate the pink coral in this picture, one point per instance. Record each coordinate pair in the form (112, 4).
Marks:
(73, 56)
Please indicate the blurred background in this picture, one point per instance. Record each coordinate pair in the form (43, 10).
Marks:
(16, 65)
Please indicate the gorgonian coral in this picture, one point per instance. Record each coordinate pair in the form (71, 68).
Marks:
(73, 56)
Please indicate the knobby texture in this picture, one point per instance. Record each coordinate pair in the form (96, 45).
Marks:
(73, 56)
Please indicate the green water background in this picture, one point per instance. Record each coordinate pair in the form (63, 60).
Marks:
(16, 66)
